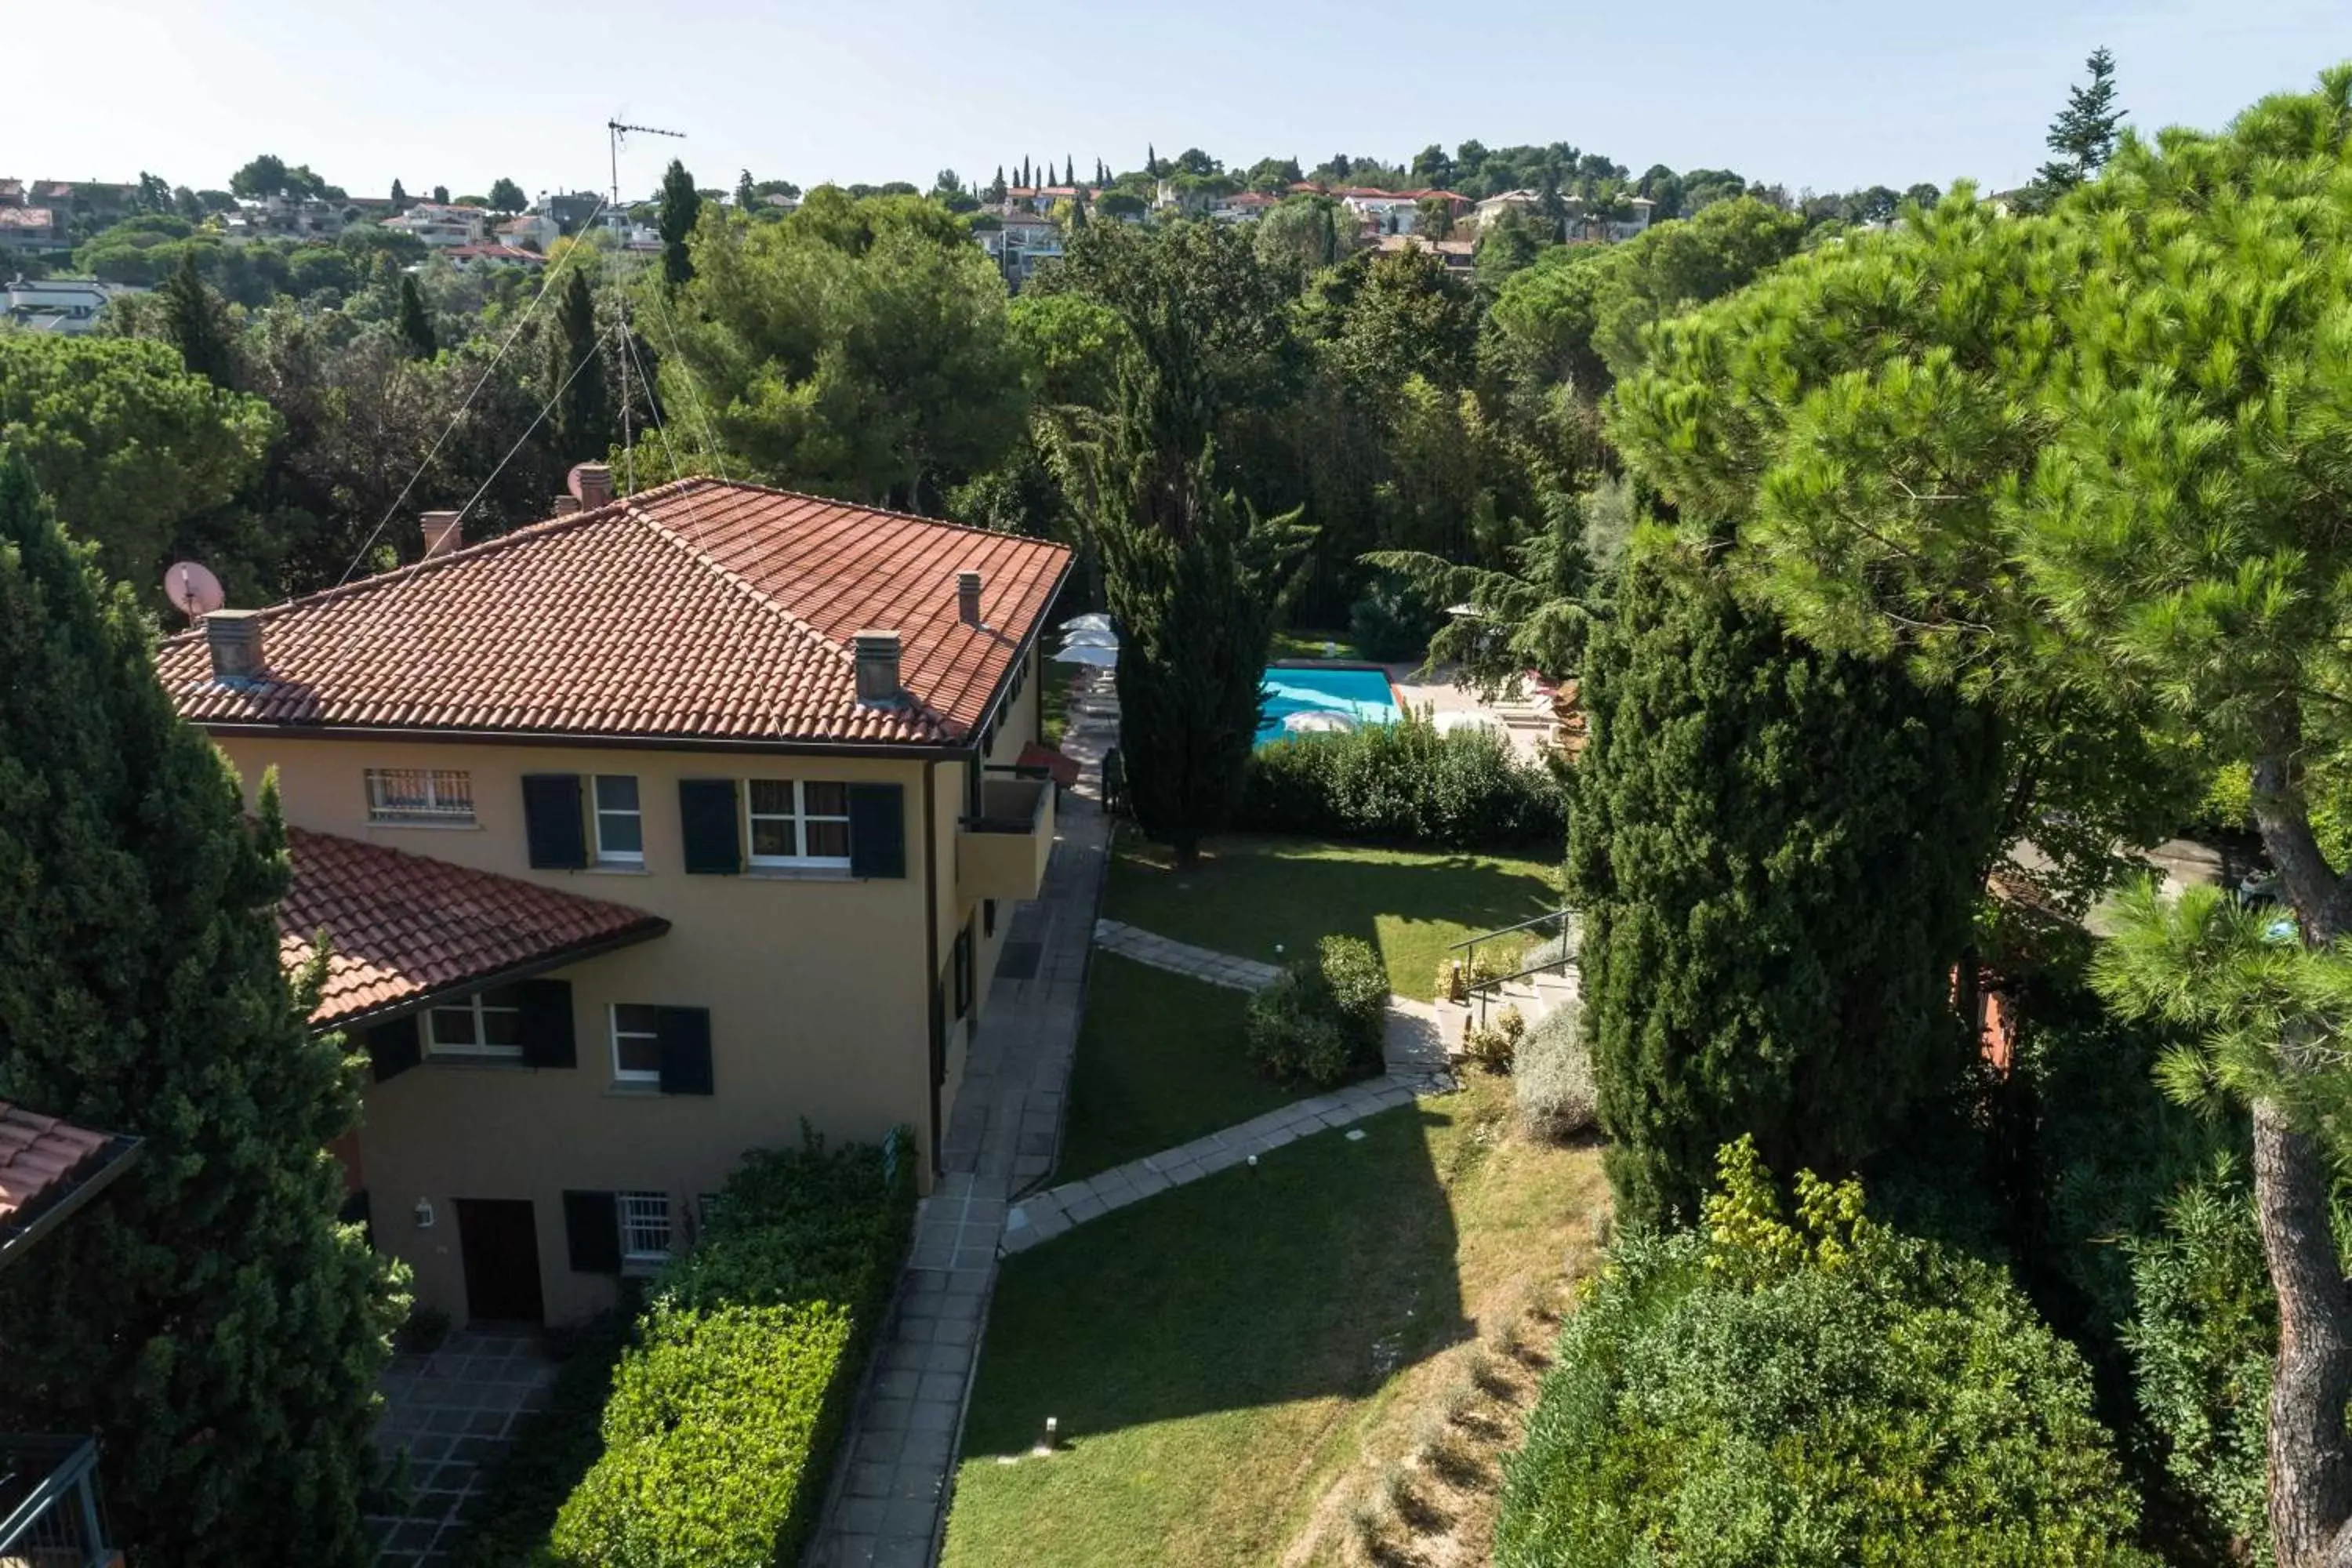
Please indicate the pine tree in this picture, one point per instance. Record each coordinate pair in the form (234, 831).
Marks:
(2084, 134)
(745, 196)
(681, 206)
(441, 196)
(197, 324)
(1777, 855)
(415, 321)
(399, 199)
(209, 1317)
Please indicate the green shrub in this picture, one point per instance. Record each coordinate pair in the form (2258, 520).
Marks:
(559, 1444)
(1552, 1081)
(1806, 1395)
(724, 1415)
(1323, 1019)
(1404, 783)
(1392, 620)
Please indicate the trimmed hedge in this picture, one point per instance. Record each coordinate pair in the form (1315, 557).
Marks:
(725, 1410)
(1406, 783)
(1323, 1019)
(559, 1444)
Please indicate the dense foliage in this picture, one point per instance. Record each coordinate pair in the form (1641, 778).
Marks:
(209, 1317)
(1552, 1084)
(1809, 1391)
(1406, 783)
(1776, 854)
(1322, 1020)
(727, 1409)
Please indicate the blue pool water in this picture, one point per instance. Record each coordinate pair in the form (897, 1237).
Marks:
(1363, 694)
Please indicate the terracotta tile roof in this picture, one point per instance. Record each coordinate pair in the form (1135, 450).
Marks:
(37, 1155)
(700, 610)
(402, 927)
(26, 217)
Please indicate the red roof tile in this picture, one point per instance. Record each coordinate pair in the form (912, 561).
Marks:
(37, 1154)
(698, 610)
(401, 927)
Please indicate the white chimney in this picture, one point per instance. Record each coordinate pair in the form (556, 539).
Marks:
(444, 532)
(878, 669)
(235, 637)
(565, 506)
(968, 597)
(593, 483)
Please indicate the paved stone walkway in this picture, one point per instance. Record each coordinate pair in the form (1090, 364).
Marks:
(888, 1503)
(452, 1412)
(1049, 1213)
(1183, 957)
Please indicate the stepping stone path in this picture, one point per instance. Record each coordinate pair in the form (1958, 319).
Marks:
(1183, 957)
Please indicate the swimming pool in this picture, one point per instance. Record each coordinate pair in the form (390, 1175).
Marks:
(1361, 694)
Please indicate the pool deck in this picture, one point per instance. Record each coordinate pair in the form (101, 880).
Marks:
(1434, 691)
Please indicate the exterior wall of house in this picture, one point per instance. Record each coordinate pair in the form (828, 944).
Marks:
(815, 985)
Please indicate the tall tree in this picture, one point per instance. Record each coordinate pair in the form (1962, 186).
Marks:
(1777, 855)
(197, 324)
(996, 187)
(681, 206)
(575, 381)
(1150, 160)
(441, 195)
(506, 197)
(211, 1319)
(399, 198)
(415, 321)
(2084, 134)
(1069, 169)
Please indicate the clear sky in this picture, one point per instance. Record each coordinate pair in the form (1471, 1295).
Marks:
(1825, 94)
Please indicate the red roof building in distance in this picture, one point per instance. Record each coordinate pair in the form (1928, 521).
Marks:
(698, 611)
(400, 928)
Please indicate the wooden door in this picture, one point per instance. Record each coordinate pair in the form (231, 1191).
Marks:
(498, 1240)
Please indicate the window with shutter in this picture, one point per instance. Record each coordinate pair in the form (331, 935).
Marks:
(685, 1036)
(393, 1046)
(554, 821)
(878, 830)
(963, 971)
(548, 1040)
(707, 819)
(591, 1232)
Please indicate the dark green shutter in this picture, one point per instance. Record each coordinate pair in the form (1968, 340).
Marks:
(878, 830)
(591, 1232)
(555, 821)
(963, 971)
(393, 1047)
(712, 826)
(685, 1036)
(547, 1034)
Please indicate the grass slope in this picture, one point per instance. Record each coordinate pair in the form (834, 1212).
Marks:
(1223, 1356)
(1249, 893)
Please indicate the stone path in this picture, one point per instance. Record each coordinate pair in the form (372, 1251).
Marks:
(889, 1502)
(1183, 957)
(452, 1412)
(1051, 1213)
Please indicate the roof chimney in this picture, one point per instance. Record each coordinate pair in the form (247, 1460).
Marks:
(235, 637)
(565, 506)
(593, 483)
(878, 669)
(444, 532)
(968, 597)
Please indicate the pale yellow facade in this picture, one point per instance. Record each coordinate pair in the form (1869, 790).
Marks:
(818, 985)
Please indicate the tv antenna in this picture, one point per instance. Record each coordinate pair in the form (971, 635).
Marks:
(616, 132)
(194, 589)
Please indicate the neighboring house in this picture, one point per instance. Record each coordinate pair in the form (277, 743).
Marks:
(1455, 255)
(1490, 211)
(12, 192)
(49, 1511)
(532, 231)
(1247, 208)
(67, 306)
(640, 839)
(571, 210)
(494, 256)
(1039, 198)
(305, 217)
(782, 203)
(32, 228)
(441, 225)
(1023, 243)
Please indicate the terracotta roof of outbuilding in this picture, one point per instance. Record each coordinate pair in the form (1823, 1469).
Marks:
(38, 1154)
(700, 610)
(401, 928)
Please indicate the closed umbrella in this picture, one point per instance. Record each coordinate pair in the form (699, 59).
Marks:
(1094, 658)
(1092, 621)
(1318, 721)
(1086, 638)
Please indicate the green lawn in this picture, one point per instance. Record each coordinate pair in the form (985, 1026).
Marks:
(1223, 1358)
(1159, 1063)
(1053, 704)
(1309, 645)
(1249, 893)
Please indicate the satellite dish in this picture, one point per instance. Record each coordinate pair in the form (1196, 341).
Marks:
(196, 590)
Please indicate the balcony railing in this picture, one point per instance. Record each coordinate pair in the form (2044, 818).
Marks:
(1001, 852)
(48, 1504)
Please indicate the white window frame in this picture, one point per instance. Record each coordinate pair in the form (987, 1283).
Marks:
(630, 1074)
(639, 1215)
(599, 811)
(800, 817)
(476, 1049)
(446, 797)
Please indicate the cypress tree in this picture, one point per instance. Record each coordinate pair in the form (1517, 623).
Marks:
(415, 321)
(399, 199)
(197, 325)
(1069, 169)
(584, 408)
(209, 1317)
(745, 197)
(1777, 855)
(1151, 160)
(681, 206)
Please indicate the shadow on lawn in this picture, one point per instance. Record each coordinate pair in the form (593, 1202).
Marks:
(1248, 894)
(1322, 1272)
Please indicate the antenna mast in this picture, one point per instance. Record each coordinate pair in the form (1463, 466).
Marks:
(615, 130)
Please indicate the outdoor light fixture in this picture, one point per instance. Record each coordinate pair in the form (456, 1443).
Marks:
(425, 1214)
(1252, 1161)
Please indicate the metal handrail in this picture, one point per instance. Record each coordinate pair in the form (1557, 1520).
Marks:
(1483, 991)
(1523, 925)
